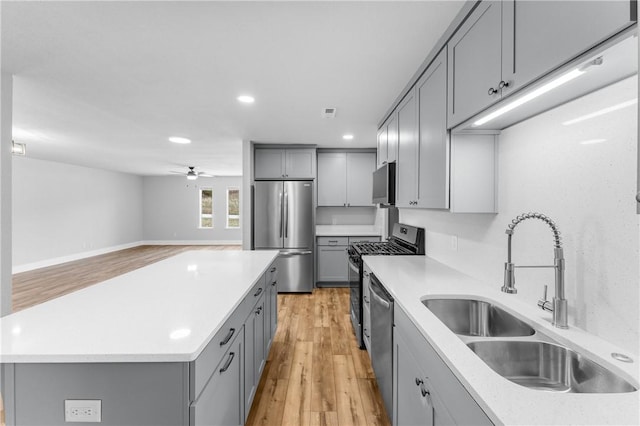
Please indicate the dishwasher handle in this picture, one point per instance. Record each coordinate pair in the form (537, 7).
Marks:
(379, 294)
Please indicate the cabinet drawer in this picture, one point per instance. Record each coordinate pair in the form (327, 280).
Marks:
(366, 239)
(204, 366)
(333, 241)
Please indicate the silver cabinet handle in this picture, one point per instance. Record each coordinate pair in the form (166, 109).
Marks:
(228, 337)
(258, 292)
(226, 365)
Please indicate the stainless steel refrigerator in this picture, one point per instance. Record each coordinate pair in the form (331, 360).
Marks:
(283, 219)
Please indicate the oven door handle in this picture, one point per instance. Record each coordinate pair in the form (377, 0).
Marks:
(353, 267)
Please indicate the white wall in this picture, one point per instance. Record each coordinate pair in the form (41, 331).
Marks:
(587, 189)
(6, 113)
(171, 210)
(346, 215)
(62, 212)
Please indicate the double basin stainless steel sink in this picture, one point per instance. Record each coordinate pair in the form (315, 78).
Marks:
(519, 353)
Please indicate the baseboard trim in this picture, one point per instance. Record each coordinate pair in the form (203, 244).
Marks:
(192, 243)
(16, 269)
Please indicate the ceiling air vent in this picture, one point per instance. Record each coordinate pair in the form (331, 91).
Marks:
(328, 113)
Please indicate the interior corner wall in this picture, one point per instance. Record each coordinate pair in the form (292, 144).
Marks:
(6, 113)
(63, 212)
(581, 175)
(171, 210)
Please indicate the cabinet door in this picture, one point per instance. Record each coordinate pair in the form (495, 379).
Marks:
(249, 362)
(382, 145)
(359, 170)
(269, 163)
(332, 179)
(431, 92)
(410, 406)
(333, 263)
(539, 36)
(220, 403)
(475, 62)
(300, 164)
(273, 310)
(407, 164)
(392, 138)
(259, 341)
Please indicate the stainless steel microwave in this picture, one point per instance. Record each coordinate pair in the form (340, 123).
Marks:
(384, 185)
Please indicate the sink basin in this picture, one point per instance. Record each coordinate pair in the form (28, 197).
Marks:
(549, 367)
(469, 317)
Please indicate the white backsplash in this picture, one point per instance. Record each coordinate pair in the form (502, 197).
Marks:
(586, 188)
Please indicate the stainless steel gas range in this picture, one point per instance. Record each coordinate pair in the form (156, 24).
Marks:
(405, 240)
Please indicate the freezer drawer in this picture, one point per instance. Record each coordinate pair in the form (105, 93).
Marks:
(295, 271)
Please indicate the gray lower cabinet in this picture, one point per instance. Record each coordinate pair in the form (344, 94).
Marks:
(425, 390)
(220, 403)
(333, 261)
(215, 389)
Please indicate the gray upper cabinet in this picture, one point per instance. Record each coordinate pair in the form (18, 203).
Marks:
(423, 144)
(392, 138)
(475, 62)
(570, 28)
(431, 94)
(382, 145)
(407, 163)
(270, 163)
(505, 45)
(345, 178)
(360, 168)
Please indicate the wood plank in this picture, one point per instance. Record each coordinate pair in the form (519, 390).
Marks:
(269, 408)
(350, 408)
(323, 393)
(324, 418)
(372, 405)
(297, 406)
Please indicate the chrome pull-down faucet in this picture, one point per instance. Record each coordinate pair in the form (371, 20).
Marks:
(559, 302)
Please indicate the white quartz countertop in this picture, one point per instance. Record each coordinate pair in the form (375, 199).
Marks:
(410, 278)
(347, 230)
(131, 318)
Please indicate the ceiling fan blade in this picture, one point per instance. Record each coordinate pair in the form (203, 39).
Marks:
(204, 175)
(177, 173)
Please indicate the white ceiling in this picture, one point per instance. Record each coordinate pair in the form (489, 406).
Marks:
(104, 84)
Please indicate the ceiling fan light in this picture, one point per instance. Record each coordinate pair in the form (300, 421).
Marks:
(191, 175)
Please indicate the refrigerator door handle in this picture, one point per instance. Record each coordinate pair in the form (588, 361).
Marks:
(295, 253)
(286, 214)
(281, 213)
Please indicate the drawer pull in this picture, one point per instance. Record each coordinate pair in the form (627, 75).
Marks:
(273, 284)
(228, 337)
(226, 365)
(366, 299)
(259, 310)
(258, 292)
(273, 269)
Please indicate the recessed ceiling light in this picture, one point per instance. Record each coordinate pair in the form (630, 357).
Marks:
(177, 139)
(246, 99)
(347, 137)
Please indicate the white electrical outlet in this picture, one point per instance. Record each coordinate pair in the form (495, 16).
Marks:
(83, 410)
(454, 242)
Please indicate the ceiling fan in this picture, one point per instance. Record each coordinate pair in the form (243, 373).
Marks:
(192, 174)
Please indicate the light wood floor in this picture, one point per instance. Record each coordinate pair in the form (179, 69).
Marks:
(315, 374)
(37, 286)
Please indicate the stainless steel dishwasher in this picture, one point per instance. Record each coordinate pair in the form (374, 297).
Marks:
(382, 341)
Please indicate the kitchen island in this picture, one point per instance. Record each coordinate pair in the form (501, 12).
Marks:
(148, 344)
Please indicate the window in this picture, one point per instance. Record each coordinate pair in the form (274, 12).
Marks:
(206, 208)
(233, 208)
